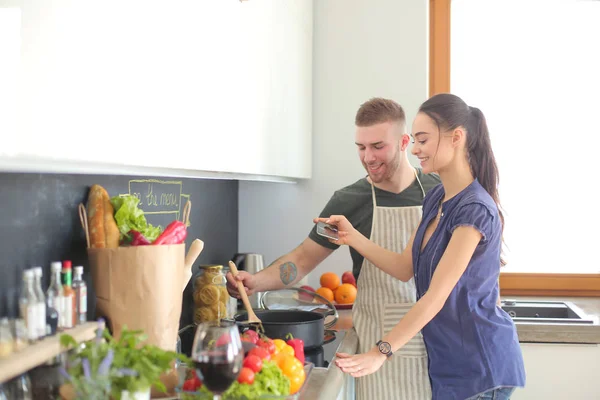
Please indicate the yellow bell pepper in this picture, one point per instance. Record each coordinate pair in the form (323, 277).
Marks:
(283, 347)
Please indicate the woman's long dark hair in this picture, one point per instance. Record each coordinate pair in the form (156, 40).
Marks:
(449, 112)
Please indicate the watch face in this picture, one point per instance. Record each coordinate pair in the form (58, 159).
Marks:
(385, 347)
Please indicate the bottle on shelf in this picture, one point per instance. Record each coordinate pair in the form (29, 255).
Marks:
(18, 327)
(28, 306)
(6, 338)
(69, 295)
(3, 392)
(55, 296)
(39, 293)
(20, 388)
(80, 289)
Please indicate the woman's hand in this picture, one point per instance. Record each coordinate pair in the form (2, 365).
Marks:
(360, 364)
(347, 233)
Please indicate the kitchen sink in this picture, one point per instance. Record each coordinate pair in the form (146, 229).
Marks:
(547, 312)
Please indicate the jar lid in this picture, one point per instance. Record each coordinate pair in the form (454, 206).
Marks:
(211, 266)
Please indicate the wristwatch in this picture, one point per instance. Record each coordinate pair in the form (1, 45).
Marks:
(385, 348)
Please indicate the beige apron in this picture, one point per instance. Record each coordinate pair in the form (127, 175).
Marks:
(380, 303)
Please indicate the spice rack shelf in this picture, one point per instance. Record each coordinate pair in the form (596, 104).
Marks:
(40, 352)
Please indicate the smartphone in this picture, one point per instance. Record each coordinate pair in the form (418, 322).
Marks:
(328, 231)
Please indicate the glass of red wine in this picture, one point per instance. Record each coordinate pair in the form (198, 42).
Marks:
(218, 355)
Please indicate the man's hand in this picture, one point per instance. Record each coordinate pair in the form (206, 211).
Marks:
(248, 280)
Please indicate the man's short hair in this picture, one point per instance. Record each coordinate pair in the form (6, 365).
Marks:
(379, 110)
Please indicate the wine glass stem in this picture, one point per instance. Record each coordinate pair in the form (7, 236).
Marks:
(216, 397)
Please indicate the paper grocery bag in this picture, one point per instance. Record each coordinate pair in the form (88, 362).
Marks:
(139, 287)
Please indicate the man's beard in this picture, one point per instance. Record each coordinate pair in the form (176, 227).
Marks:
(390, 168)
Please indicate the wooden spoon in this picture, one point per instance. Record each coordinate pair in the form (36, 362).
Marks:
(252, 318)
(194, 251)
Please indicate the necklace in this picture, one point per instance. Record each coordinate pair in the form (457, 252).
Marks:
(440, 214)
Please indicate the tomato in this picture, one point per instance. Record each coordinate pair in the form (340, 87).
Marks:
(297, 381)
(253, 362)
(250, 336)
(197, 381)
(267, 344)
(246, 376)
(223, 340)
(193, 383)
(245, 338)
(260, 352)
(188, 386)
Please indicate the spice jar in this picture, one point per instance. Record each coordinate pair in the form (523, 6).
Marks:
(210, 294)
(20, 334)
(6, 338)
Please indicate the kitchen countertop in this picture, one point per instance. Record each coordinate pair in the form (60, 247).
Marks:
(536, 332)
(562, 333)
(316, 388)
(326, 383)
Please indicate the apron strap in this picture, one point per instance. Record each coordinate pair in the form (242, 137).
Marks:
(418, 182)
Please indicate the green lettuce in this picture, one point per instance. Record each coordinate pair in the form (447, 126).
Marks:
(129, 216)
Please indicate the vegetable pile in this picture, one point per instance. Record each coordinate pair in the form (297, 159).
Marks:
(273, 367)
(136, 231)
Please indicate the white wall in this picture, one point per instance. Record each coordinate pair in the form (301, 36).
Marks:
(362, 49)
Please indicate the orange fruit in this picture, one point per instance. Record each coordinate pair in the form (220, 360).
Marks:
(345, 294)
(330, 280)
(325, 292)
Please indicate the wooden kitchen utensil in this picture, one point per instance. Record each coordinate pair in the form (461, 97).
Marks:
(252, 318)
(194, 251)
(84, 223)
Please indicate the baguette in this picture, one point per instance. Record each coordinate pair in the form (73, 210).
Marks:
(104, 233)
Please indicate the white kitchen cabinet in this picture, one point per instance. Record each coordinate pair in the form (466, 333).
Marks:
(212, 85)
(560, 371)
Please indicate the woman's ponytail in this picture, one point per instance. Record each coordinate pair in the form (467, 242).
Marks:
(449, 112)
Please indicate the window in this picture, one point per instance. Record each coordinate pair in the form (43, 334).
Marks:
(532, 68)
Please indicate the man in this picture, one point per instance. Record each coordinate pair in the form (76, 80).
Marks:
(385, 206)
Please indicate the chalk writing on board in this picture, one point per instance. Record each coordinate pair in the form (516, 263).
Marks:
(161, 201)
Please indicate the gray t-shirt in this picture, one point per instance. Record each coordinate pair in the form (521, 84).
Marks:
(355, 202)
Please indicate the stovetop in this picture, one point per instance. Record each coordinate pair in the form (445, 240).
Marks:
(322, 356)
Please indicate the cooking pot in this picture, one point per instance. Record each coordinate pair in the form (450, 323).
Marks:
(294, 311)
(279, 324)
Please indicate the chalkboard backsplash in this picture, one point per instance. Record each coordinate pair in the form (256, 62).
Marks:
(39, 222)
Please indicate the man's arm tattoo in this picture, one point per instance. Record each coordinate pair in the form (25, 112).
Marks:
(288, 272)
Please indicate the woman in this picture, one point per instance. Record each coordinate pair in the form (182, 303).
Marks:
(454, 257)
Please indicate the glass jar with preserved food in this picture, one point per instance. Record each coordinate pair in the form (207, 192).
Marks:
(210, 294)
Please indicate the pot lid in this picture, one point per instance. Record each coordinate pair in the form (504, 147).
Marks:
(299, 299)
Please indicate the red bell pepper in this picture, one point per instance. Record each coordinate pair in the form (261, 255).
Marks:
(137, 239)
(174, 233)
(298, 346)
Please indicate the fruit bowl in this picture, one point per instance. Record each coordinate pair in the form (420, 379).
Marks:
(340, 292)
(340, 306)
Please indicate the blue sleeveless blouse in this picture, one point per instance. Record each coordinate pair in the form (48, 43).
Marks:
(472, 343)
